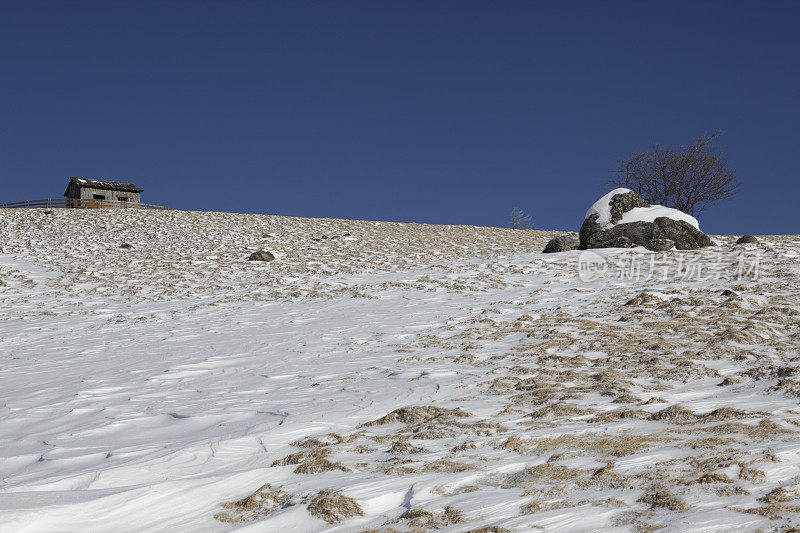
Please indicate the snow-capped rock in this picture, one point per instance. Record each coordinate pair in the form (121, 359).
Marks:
(623, 213)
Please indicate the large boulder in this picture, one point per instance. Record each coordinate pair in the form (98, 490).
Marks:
(261, 255)
(562, 243)
(622, 219)
(609, 210)
(747, 239)
(659, 245)
(687, 236)
(619, 241)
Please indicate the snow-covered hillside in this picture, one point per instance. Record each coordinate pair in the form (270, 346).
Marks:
(387, 377)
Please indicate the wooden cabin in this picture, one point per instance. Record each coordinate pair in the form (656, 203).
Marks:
(101, 193)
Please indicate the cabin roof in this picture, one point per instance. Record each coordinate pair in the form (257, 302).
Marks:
(101, 184)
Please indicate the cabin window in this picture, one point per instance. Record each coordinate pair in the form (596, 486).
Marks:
(122, 198)
(98, 197)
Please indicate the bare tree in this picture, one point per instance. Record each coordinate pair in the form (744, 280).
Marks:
(687, 178)
(519, 220)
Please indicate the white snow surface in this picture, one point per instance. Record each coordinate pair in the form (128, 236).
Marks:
(142, 388)
(602, 207)
(649, 214)
(638, 214)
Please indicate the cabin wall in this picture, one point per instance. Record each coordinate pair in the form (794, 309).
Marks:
(87, 193)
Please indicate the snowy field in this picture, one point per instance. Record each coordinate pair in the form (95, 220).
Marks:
(387, 377)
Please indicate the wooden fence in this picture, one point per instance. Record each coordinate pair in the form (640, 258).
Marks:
(79, 203)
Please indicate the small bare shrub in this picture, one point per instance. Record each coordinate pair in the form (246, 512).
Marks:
(689, 178)
(519, 220)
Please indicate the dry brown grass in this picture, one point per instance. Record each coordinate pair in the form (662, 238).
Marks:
(643, 299)
(515, 444)
(420, 518)
(765, 429)
(309, 442)
(430, 422)
(537, 506)
(547, 472)
(560, 410)
(402, 470)
(712, 442)
(675, 414)
(779, 495)
(402, 447)
(613, 446)
(313, 461)
(446, 466)
(713, 477)
(333, 506)
(463, 447)
(751, 474)
(301, 457)
(723, 413)
(607, 478)
(664, 499)
(417, 415)
(317, 466)
(464, 489)
(771, 511)
(260, 504)
(451, 515)
(619, 414)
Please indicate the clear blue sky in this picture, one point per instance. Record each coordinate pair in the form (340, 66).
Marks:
(442, 112)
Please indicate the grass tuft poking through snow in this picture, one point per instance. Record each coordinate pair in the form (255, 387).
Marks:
(263, 502)
(333, 507)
